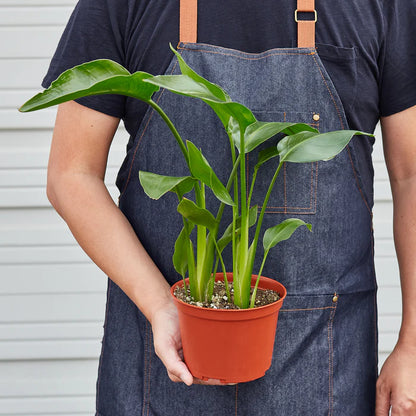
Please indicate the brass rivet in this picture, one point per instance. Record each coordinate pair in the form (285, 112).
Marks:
(335, 298)
(316, 117)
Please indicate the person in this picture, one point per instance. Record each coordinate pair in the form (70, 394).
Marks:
(359, 69)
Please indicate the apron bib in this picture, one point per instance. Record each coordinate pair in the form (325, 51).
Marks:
(325, 356)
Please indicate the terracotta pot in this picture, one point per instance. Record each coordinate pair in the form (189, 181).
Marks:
(233, 346)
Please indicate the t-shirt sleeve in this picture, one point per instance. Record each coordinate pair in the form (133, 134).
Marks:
(398, 76)
(94, 31)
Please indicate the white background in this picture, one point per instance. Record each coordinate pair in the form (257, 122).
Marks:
(52, 298)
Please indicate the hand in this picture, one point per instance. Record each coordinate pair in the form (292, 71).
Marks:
(168, 347)
(396, 385)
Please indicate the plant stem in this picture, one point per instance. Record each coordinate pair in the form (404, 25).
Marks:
(253, 296)
(263, 210)
(172, 129)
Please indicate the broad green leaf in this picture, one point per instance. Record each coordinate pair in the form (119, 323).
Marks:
(201, 169)
(282, 232)
(216, 90)
(196, 215)
(265, 155)
(102, 76)
(180, 255)
(183, 85)
(228, 233)
(261, 131)
(156, 186)
(311, 147)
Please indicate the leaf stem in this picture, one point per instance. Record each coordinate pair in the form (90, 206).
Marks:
(172, 129)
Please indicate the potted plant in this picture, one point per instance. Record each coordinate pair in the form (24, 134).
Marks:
(206, 332)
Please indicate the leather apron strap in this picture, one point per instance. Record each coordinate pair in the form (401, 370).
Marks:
(306, 28)
(188, 15)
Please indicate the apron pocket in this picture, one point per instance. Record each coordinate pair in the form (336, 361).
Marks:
(301, 375)
(295, 189)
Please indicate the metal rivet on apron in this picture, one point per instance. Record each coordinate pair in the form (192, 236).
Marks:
(316, 117)
(335, 298)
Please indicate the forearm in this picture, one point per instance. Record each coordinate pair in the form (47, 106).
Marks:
(404, 196)
(108, 238)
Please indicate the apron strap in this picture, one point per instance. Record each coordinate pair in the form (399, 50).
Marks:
(188, 16)
(306, 28)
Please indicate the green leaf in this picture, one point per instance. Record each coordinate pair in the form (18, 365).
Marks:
(201, 169)
(180, 255)
(156, 186)
(265, 155)
(102, 76)
(282, 232)
(311, 147)
(183, 85)
(215, 90)
(228, 233)
(260, 131)
(196, 215)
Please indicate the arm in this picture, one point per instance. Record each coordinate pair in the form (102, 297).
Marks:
(396, 385)
(77, 163)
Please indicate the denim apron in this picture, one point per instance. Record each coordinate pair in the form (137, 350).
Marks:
(325, 355)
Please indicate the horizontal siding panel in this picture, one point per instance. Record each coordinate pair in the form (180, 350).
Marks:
(51, 331)
(47, 406)
(387, 271)
(16, 178)
(38, 350)
(25, 42)
(42, 255)
(53, 15)
(77, 307)
(24, 73)
(30, 149)
(10, 99)
(37, 3)
(389, 300)
(51, 278)
(33, 235)
(12, 119)
(33, 197)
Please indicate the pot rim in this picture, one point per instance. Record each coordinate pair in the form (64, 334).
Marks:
(270, 308)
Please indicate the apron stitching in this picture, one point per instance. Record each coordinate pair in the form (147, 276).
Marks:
(102, 348)
(330, 92)
(248, 58)
(356, 179)
(236, 399)
(331, 361)
(141, 137)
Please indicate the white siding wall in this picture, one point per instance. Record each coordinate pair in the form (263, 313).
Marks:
(52, 297)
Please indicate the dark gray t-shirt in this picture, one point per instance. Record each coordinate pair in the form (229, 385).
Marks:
(367, 46)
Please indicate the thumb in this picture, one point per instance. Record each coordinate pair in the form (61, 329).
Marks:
(382, 400)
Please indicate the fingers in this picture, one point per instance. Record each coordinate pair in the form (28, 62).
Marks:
(382, 399)
(176, 368)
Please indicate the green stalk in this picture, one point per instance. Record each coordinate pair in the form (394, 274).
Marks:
(241, 296)
(201, 245)
(263, 210)
(252, 186)
(227, 289)
(172, 129)
(253, 296)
